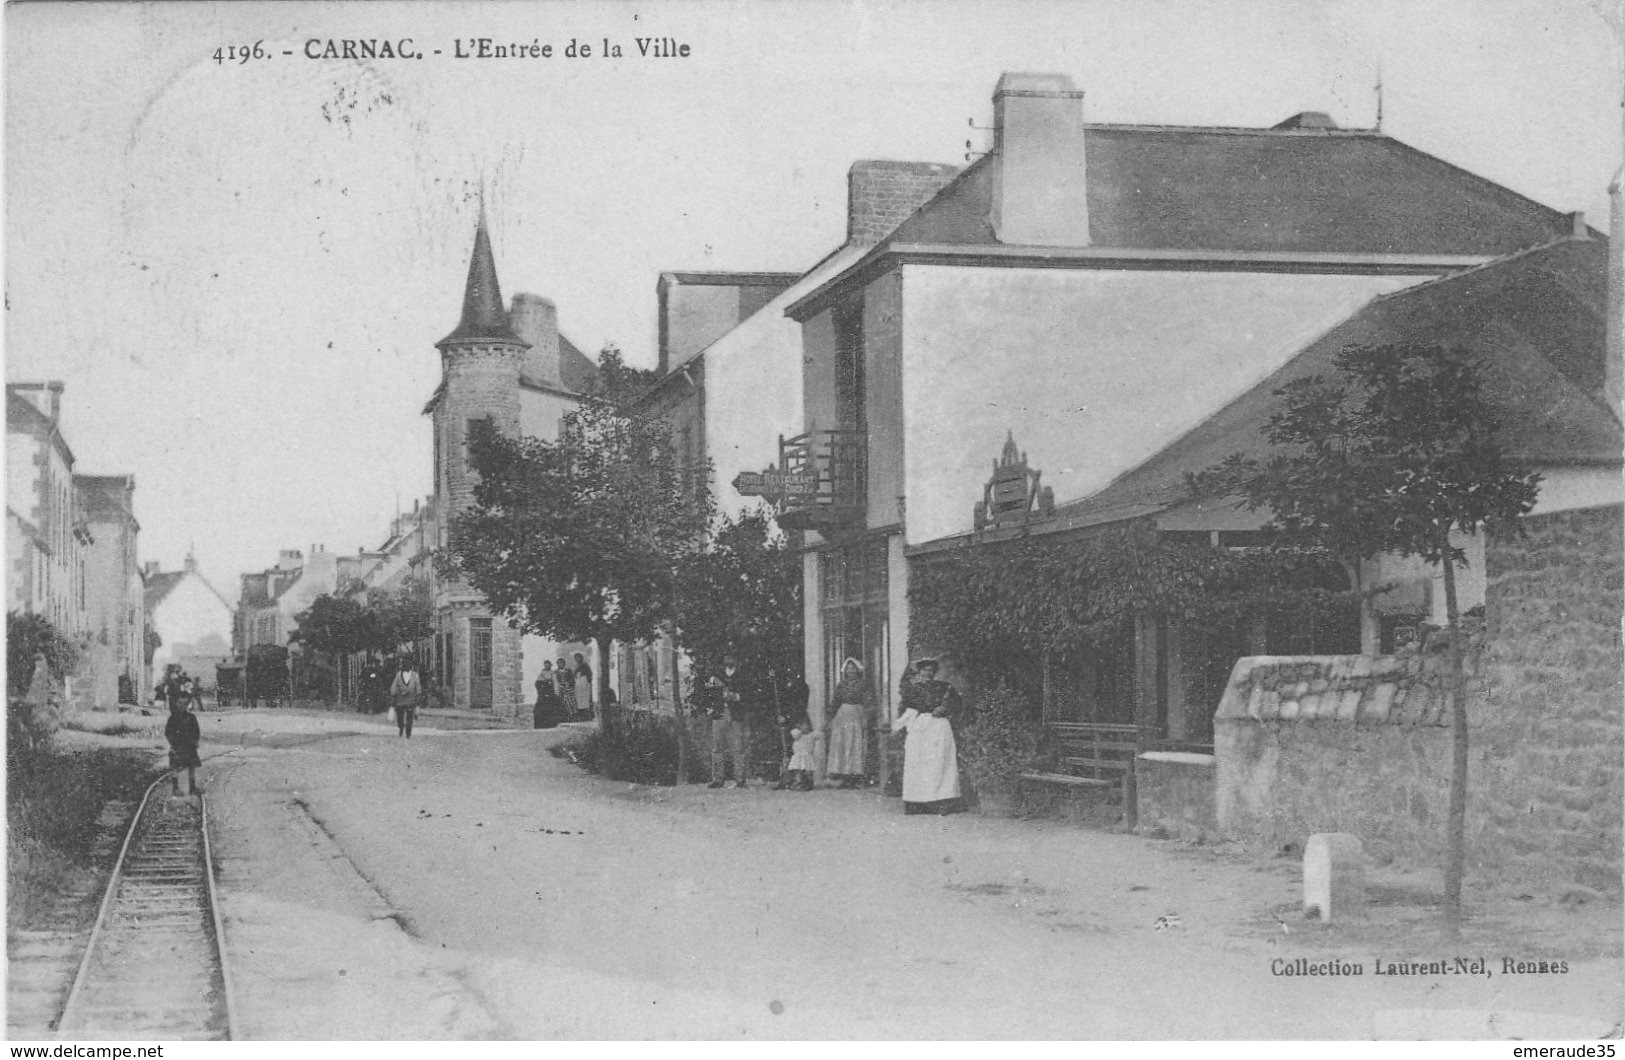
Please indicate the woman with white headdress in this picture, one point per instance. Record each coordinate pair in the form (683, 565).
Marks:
(849, 728)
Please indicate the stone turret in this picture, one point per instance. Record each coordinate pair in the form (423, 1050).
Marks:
(480, 362)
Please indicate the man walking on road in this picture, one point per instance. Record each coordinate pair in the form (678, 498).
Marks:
(406, 693)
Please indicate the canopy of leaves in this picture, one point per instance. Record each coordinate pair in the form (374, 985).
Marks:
(405, 615)
(28, 634)
(1061, 594)
(617, 383)
(1392, 457)
(267, 669)
(741, 593)
(351, 622)
(337, 625)
(580, 538)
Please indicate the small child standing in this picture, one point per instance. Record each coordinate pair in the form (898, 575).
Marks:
(183, 733)
(802, 763)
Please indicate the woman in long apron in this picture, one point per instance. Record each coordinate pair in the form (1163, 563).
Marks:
(849, 728)
(930, 754)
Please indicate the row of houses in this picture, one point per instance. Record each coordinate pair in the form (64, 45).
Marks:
(1101, 307)
(270, 601)
(1041, 346)
(1104, 308)
(72, 542)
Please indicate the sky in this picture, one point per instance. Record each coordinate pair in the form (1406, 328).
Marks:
(239, 270)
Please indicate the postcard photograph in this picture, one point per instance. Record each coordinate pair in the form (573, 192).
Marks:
(864, 520)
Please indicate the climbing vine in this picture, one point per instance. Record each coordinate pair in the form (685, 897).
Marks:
(1060, 594)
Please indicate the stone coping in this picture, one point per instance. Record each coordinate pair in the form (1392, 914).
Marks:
(1184, 758)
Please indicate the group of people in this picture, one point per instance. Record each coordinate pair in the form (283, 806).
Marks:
(563, 693)
(178, 684)
(930, 708)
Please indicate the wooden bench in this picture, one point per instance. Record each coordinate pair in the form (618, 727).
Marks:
(1095, 755)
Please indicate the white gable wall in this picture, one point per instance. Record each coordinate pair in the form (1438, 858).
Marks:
(1093, 370)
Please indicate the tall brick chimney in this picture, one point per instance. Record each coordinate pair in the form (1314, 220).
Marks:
(881, 195)
(1040, 186)
(536, 320)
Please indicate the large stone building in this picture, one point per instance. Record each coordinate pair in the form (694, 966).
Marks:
(71, 548)
(115, 588)
(45, 535)
(512, 368)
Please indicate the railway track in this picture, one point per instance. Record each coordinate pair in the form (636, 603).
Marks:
(154, 966)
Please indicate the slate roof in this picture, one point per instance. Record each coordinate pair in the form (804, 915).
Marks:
(21, 414)
(484, 316)
(159, 585)
(103, 496)
(1193, 188)
(1535, 319)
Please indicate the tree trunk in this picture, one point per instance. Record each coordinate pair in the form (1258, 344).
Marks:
(1456, 822)
(678, 707)
(606, 722)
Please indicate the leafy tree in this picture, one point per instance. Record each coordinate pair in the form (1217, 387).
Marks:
(338, 626)
(741, 593)
(617, 383)
(266, 672)
(406, 615)
(29, 634)
(1395, 457)
(580, 538)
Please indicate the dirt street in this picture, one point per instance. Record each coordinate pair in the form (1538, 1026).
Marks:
(466, 884)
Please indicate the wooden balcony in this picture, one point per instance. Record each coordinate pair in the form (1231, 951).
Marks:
(832, 468)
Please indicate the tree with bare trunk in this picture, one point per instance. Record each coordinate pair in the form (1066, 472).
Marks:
(1398, 456)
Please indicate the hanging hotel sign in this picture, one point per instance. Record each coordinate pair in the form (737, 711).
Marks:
(773, 484)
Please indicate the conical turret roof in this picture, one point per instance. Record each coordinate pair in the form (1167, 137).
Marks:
(484, 317)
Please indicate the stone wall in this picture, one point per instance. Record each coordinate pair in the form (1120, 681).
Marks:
(1362, 745)
(1175, 794)
(1546, 784)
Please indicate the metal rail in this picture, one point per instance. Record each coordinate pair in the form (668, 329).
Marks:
(154, 966)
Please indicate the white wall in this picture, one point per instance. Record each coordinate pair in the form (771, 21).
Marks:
(1093, 370)
(190, 618)
(540, 412)
(753, 388)
(1565, 488)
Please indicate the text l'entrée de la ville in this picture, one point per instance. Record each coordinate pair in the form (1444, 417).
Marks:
(488, 48)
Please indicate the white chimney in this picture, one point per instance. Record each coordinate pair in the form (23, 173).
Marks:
(1040, 185)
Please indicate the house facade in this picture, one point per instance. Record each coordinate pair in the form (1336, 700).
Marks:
(46, 535)
(1092, 292)
(731, 389)
(115, 588)
(191, 623)
(508, 365)
(71, 542)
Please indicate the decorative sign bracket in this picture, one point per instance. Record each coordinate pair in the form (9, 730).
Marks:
(775, 484)
(1012, 497)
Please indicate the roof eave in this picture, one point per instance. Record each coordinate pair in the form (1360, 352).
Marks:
(994, 255)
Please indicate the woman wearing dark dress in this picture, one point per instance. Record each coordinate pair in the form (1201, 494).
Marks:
(931, 782)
